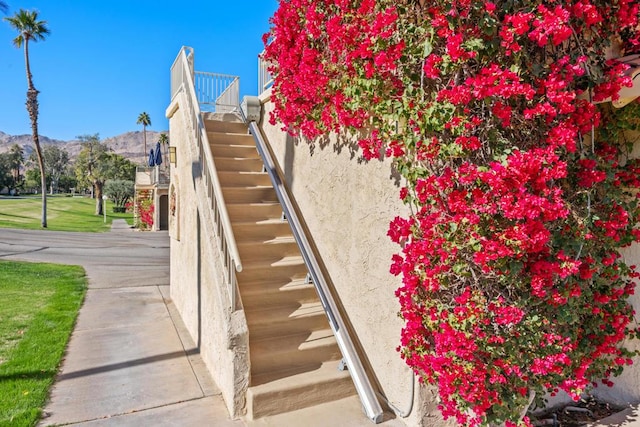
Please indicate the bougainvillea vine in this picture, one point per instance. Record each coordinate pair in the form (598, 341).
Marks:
(520, 183)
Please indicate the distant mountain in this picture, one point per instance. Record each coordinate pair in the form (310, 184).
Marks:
(129, 145)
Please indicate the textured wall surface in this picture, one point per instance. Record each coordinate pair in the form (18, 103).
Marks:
(627, 386)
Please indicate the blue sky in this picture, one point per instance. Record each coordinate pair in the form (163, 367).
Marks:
(105, 62)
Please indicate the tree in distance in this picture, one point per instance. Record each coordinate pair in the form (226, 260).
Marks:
(96, 164)
(121, 191)
(144, 120)
(163, 139)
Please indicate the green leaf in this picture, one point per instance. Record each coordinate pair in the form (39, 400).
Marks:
(428, 48)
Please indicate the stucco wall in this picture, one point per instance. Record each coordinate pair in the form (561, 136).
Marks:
(347, 205)
(627, 386)
(197, 277)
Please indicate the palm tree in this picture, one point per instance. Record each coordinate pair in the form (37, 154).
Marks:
(29, 28)
(16, 160)
(163, 139)
(4, 7)
(144, 120)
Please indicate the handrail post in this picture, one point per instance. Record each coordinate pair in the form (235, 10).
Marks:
(251, 111)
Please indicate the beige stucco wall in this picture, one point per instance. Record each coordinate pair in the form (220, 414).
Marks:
(347, 205)
(627, 386)
(197, 284)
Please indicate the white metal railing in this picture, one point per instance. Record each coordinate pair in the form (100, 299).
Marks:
(265, 79)
(182, 80)
(151, 175)
(178, 70)
(217, 92)
(350, 356)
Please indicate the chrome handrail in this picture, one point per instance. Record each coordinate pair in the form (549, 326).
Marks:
(363, 386)
(182, 80)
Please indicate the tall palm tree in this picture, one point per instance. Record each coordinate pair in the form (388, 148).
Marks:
(26, 23)
(163, 139)
(4, 7)
(144, 120)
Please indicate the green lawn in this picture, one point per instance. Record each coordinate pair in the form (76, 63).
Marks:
(63, 214)
(38, 307)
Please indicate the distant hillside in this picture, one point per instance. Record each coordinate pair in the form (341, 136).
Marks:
(129, 145)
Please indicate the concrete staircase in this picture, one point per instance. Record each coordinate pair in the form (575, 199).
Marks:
(294, 356)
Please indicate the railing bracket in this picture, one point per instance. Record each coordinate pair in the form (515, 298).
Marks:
(342, 366)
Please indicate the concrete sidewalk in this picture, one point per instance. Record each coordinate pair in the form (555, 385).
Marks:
(130, 361)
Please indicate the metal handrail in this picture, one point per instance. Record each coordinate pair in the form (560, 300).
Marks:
(182, 80)
(356, 369)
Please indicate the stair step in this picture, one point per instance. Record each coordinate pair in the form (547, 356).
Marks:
(276, 393)
(260, 231)
(270, 251)
(269, 321)
(243, 179)
(254, 212)
(249, 194)
(234, 151)
(293, 351)
(238, 164)
(225, 126)
(282, 271)
(226, 138)
(268, 293)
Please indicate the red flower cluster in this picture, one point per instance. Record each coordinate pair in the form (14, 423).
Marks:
(520, 187)
(145, 209)
(318, 48)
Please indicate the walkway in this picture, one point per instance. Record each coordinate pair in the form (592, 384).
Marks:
(130, 361)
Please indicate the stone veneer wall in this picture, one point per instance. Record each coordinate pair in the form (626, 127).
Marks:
(197, 284)
(347, 206)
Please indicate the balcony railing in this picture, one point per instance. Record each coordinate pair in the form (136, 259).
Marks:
(155, 175)
(265, 79)
(217, 92)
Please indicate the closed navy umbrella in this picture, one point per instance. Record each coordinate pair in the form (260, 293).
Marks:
(152, 158)
(158, 155)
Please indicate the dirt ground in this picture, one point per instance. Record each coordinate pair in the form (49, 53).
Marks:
(575, 414)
